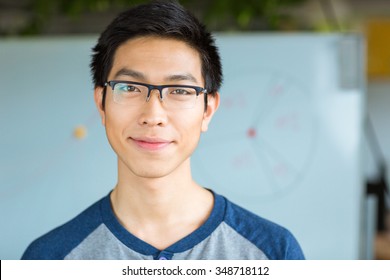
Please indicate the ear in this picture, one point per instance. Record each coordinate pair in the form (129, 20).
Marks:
(98, 95)
(212, 107)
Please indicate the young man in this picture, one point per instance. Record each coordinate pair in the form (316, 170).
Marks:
(157, 73)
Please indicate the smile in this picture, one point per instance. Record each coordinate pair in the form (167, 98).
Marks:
(151, 144)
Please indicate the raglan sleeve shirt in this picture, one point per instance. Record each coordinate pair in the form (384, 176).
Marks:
(230, 232)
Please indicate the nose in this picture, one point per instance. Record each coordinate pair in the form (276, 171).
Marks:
(156, 91)
(153, 112)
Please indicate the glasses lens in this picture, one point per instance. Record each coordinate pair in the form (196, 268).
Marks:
(176, 97)
(179, 97)
(130, 94)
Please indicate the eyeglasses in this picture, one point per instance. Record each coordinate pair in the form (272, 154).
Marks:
(174, 96)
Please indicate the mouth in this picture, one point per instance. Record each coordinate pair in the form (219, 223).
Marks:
(151, 144)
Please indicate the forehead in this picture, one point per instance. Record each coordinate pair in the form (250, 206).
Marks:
(157, 57)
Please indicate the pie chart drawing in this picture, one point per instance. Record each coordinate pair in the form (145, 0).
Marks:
(262, 138)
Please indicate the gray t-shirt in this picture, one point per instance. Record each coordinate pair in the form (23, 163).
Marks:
(230, 232)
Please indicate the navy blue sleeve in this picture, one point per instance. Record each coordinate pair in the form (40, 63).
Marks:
(275, 241)
(56, 244)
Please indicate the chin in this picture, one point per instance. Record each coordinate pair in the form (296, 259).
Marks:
(151, 173)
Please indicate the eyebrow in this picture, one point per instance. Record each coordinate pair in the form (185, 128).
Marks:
(130, 73)
(141, 76)
(182, 77)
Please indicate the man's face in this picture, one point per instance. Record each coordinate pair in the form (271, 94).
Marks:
(153, 141)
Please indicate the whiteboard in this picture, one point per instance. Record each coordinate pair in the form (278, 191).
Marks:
(285, 142)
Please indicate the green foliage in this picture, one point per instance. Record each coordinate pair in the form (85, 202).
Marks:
(221, 15)
(249, 14)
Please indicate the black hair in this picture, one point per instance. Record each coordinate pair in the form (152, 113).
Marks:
(164, 19)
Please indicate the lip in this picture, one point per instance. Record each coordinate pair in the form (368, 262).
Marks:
(151, 143)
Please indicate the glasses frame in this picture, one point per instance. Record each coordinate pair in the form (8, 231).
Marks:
(198, 90)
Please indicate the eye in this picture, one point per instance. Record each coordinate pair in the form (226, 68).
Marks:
(128, 88)
(181, 91)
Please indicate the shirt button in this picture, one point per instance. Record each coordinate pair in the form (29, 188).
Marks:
(162, 258)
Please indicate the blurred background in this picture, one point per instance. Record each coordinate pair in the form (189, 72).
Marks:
(40, 17)
(58, 19)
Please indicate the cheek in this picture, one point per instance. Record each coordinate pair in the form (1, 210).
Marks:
(192, 127)
(116, 122)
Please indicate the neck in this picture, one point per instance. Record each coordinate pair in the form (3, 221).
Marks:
(157, 200)
(172, 204)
